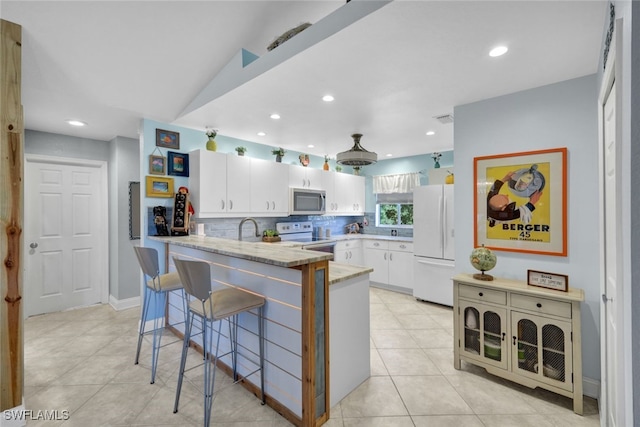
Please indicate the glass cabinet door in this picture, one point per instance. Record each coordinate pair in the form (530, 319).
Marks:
(483, 333)
(542, 349)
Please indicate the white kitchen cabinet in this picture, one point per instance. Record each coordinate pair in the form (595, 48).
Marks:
(227, 185)
(392, 262)
(238, 185)
(269, 188)
(208, 183)
(306, 177)
(526, 334)
(219, 184)
(349, 252)
(347, 196)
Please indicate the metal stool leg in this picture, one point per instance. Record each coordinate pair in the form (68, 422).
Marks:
(261, 347)
(157, 336)
(183, 360)
(143, 320)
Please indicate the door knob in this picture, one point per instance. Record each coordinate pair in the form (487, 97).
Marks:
(33, 245)
(605, 299)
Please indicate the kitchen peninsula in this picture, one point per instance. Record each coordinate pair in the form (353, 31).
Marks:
(301, 341)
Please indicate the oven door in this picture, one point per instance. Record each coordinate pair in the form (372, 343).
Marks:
(305, 202)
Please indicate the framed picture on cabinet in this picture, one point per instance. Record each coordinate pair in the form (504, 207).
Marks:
(159, 186)
(167, 139)
(520, 202)
(178, 164)
(157, 165)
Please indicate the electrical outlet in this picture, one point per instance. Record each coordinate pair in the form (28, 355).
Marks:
(394, 232)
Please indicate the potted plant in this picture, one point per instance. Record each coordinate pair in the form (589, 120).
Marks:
(325, 166)
(211, 143)
(241, 150)
(270, 235)
(279, 153)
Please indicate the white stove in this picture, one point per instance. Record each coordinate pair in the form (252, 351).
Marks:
(303, 232)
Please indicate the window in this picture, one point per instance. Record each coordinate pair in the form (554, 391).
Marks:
(394, 199)
(394, 214)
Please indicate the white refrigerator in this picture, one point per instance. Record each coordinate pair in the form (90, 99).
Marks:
(433, 243)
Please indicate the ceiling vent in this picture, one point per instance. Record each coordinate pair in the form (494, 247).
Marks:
(444, 118)
(357, 156)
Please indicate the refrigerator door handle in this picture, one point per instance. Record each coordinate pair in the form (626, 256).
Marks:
(440, 221)
(433, 263)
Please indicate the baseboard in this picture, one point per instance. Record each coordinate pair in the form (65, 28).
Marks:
(123, 304)
(591, 387)
(394, 288)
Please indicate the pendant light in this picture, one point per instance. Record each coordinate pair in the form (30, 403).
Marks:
(357, 156)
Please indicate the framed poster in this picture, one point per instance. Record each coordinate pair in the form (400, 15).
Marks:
(159, 186)
(178, 164)
(157, 165)
(520, 202)
(168, 139)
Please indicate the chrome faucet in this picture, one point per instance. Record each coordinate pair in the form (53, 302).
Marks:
(242, 223)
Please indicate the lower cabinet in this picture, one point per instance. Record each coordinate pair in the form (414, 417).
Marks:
(526, 334)
(392, 262)
(348, 252)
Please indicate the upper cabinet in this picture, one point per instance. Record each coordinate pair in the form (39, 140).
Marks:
(347, 196)
(219, 184)
(226, 185)
(269, 188)
(310, 178)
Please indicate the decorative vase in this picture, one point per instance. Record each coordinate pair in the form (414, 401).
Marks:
(326, 165)
(437, 165)
(240, 153)
(211, 144)
(278, 158)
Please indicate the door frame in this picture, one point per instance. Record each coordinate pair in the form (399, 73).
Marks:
(611, 74)
(103, 235)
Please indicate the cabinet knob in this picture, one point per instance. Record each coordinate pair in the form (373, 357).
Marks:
(538, 305)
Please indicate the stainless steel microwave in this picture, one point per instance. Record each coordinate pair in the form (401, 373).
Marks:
(304, 201)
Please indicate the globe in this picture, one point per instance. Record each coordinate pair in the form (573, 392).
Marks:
(484, 260)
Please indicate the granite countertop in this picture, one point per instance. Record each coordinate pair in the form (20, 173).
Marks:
(340, 272)
(279, 255)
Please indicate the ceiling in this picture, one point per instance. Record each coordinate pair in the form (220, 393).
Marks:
(112, 63)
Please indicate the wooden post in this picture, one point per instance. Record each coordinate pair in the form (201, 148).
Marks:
(11, 189)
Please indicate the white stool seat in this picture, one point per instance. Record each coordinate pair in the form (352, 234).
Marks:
(166, 282)
(225, 303)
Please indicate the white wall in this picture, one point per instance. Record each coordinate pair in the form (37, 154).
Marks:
(559, 115)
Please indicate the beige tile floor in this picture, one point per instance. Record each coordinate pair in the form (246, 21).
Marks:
(82, 361)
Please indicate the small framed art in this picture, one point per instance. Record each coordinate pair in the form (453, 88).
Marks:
(157, 165)
(558, 282)
(178, 164)
(167, 139)
(159, 186)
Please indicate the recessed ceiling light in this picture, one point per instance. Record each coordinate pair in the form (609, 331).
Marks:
(262, 134)
(498, 51)
(275, 116)
(76, 123)
(328, 98)
(389, 155)
(430, 133)
(310, 146)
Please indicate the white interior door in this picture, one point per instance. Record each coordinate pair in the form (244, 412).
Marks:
(612, 293)
(65, 234)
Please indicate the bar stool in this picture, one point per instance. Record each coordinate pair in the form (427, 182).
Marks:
(158, 285)
(213, 307)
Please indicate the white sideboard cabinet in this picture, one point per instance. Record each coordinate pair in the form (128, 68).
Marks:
(526, 334)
